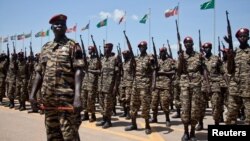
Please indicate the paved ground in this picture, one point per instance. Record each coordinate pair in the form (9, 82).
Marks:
(21, 126)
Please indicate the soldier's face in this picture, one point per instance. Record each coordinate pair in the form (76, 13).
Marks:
(189, 44)
(207, 50)
(107, 50)
(243, 38)
(59, 27)
(143, 49)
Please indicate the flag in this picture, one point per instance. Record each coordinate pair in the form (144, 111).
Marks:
(6, 39)
(121, 19)
(28, 35)
(72, 29)
(102, 23)
(86, 27)
(39, 34)
(47, 32)
(208, 5)
(20, 37)
(13, 37)
(171, 12)
(144, 19)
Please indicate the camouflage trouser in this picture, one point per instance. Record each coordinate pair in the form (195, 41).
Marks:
(140, 97)
(2, 88)
(21, 90)
(217, 105)
(62, 125)
(106, 102)
(161, 96)
(89, 101)
(203, 104)
(191, 104)
(177, 91)
(11, 89)
(225, 93)
(126, 95)
(234, 105)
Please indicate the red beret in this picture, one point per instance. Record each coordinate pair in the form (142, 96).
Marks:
(242, 31)
(55, 18)
(142, 43)
(207, 45)
(163, 49)
(108, 45)
(188, 38)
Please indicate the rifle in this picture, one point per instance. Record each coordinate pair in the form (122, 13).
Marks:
(14, 52)
(8, 52)
(219, 48)
(156, 64)
(31, 51)
(84, 52)
(182, 62)
(96, 51)
(200, 44)
(100, 52)
(25, 54)
(129, 46)
(229, 40)
(170, 51)
(223, 46)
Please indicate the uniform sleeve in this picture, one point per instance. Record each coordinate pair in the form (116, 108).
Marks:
(40, 68)
(78, 59)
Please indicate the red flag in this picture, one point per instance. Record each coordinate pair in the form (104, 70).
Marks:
(171, 12)
(73, 29)
(121, 19)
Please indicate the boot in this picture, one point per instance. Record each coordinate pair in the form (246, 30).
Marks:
(23, 106)
(92, 118)
(128, 114)
(1, 101)
(242, 117)
(147, 127)
(114, 111)
(102, 122)
(107, 123)
(12, 104)
(168, 124)
(216, 123)
(133, 125)
(192, 134)
(34, 109)
(185, 136)
(221, 118)
(199, 127)
(154, 119)
(85, 116)
(178, 113)
(124, 114)
(20, 105)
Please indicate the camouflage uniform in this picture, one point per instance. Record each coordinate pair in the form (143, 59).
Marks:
(126, 86)
(3, 73)
(57, 64)
(216, 73)
(11, 81)
(162, 92)
(239, 87)
(177, 91)
(89, 89)
(107, 82)
(22, 83)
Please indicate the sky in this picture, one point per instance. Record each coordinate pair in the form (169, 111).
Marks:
(24, 16)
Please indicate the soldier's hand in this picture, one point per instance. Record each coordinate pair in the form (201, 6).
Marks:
(77, 105)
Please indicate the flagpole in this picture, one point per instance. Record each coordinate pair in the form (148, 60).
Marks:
(149, 28)
(88, 33)
(178, 13)
(107, 31)
(214, 25)
(124, 40)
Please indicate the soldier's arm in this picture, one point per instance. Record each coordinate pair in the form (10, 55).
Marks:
(35, 87)
(78, 84)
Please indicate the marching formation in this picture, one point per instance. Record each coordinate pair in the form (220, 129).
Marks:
(63, 81)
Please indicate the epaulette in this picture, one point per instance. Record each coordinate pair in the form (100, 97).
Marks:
(72, 42)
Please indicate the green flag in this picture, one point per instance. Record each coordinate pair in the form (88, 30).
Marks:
(208, 5)
(102, 23)
(144, 19)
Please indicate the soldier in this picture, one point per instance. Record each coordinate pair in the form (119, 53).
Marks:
(32, 73)
(141, 94)
(126, 84)
(3, 73)
(107, 86)
(190, 83)
(90, 92)
(22, 81)
(162, 91)
(11, 79)
(239, 85)
(216, 73)
(60, 73)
